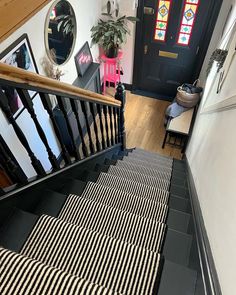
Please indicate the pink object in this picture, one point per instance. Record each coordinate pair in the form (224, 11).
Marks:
(111, 69)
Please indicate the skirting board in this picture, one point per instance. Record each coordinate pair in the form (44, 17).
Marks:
(209, 273)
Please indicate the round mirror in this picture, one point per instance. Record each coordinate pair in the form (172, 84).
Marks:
(60, 32)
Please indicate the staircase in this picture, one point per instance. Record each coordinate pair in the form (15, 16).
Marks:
(103, 219)
(120, 225)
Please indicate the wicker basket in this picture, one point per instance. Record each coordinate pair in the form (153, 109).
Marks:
(187, 100)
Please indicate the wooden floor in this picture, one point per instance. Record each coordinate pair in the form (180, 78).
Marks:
(145, 124)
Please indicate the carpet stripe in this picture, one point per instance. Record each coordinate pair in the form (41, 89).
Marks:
(144, 170)
(21, 275)
(110, 221)
(140, 178)
(132, 187)
(125, 202)
(148, 164)
(95, 257)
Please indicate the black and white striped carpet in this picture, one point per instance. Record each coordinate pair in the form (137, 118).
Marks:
(122, 225)
(120, 266)
(135, 188)
(144, 170)
(123, 201)
(106, 241)
(138, 177)
(20, 275)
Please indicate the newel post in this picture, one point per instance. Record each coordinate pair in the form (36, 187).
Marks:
(121, 96)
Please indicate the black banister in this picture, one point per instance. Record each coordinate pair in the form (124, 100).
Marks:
(6, 109)
(48, 107)
(99, 108)
(106, 125)
(111, 125)
(121, 96)
(98, 145)
(10, 166)
(74, 106)
(62, 105)
(28, 104)
(84, 110)
(115, 124)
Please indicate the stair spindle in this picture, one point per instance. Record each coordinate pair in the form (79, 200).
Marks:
(121, 96)
(62, 106)
(98, 145)
(115, 124)
(99, 107)
(75, 110)
(28, 104)
(84, 110)
(111, 125)
(9, 115)
(11, 167)
(106, 125)
(48, 107)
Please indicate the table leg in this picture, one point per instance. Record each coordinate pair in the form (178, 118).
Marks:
(164, 141)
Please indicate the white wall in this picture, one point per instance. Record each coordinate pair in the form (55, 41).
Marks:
(211, 154)
(87, 13)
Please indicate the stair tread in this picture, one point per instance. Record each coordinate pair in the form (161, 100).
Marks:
(16, 229)
(43, 278)
(127, 202)
(142, 162)
(164, 162)
(73, 186)
(144, 170)
(140, 178)
(177, 280)
(90, 255)
(132, 187)
(177, 247)
(110, 221)
(178, 220)
(138, 150)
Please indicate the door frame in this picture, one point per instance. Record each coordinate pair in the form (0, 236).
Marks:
(205, 40)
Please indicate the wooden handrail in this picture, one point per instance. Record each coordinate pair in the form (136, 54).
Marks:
(21, 76)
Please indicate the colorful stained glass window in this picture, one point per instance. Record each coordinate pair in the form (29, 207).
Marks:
(163, 12)
(188, 20)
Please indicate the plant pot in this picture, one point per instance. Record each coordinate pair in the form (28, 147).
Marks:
(112, 52)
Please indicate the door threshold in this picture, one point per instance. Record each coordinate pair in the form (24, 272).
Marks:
(152, 95)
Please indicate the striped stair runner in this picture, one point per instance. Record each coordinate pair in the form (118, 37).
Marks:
(109, 221)
(120, 266)
(112, 197)
(168, 162)
(143, 163)
(154, 155)
(135, 188)
(138, 177)
(21, 275)
(144, 170)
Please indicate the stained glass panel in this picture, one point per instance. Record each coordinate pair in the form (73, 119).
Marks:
(163, 12)
(188, 20)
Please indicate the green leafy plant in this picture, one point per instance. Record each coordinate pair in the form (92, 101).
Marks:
(112, 33)
(66, 23)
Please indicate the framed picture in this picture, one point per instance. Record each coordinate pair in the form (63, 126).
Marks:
(83, 59)
(18, 54)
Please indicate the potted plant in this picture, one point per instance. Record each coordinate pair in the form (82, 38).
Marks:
(111, 34)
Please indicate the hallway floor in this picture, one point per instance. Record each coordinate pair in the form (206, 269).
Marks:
(145, 125)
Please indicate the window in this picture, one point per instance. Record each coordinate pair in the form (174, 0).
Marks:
(163, 12)
(188, 21)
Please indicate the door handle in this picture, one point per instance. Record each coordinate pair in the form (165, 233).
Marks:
(145, 49)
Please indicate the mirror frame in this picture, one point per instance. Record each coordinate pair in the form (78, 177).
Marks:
(46, 34)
